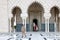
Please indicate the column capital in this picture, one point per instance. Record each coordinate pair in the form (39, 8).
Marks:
(47, 15)
(24, 15)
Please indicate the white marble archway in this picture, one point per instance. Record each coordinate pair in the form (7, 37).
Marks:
(35, 11)
(25, 4)
(55, 17)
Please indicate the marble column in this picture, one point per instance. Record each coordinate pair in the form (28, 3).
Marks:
(24, 16)
(9, 19)
(59, 22)
(47, 16)
(45, 25)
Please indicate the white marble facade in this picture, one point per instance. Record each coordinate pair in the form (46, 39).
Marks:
(6, 7)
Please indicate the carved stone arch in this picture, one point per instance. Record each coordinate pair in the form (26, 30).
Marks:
(55, 16)
(16, 8)
(35, 6)
(16, 11)
(55, 10)
(35, 10)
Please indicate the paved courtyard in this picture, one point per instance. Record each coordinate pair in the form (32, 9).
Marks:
(30, 36)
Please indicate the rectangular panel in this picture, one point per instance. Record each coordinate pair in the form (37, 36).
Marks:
(51, 27)
(43, 27)
(18, 27)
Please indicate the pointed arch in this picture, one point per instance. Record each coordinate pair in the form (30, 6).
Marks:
(55, 17)
(35, 6)
(35, 10)
(16, 8)
(16, 11)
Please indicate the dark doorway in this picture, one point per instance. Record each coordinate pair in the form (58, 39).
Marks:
(35, 21)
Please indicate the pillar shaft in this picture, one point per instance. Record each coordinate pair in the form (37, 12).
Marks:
(45, 25)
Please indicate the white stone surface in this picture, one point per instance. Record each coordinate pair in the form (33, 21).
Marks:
(6, 7)
(3, 16)
(35, 36)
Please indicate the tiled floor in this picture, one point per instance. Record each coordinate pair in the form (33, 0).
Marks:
(30, 36)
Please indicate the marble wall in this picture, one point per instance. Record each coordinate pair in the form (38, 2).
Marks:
(6, 7)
